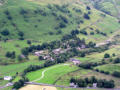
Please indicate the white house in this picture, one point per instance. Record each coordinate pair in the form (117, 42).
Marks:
(75, 61)
(73, 85)
(94, 85)
(7, 77)
(38, 53)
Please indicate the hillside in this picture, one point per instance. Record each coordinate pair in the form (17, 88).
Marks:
(84, 30)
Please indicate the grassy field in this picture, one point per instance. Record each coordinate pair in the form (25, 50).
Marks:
(40, 22)
(109, 67)
(52, 73)
(36, 20)
(11, 70)
(97, 57)
(85, 73)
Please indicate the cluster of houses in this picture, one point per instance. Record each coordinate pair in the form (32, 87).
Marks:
(94, 85)
(75, 61)
(46, 55)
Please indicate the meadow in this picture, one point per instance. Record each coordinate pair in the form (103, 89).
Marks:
(109, 67)
(85, 73)
(48, 20)
(11, 70)
(51, 74)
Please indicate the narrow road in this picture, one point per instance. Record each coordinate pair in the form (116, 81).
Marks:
(43, 72)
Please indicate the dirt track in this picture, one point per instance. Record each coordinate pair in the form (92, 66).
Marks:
(38, 87)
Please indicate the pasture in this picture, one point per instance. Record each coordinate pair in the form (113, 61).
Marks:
(85, 73)
(11, 70)
(109, 67)
(51, 74)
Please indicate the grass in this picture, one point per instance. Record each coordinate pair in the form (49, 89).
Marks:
(109, 67)
(85, 73)
(11, 70)
(52, 74)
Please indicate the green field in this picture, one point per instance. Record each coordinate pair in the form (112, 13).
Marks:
(85, 73)
(42, 21)
(109, 67)
(53, 73)
(11, 70)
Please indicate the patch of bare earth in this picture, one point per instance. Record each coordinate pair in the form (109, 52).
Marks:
(37, 87)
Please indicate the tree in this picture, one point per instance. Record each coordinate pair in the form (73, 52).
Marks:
(25, 51)
(106, 55)
(41, 58)
(91, 44)
(117, 60)
(116, 74)
(8, 54)
(29, 42)
(82, 54)
(88, 8)
(5, 32)
(86, 16)
(20, 58)
(21, 34)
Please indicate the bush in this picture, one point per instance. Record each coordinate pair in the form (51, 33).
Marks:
(86, 16)
(117, 60)
(41, 58)
(91, 33)
(116, 74)
(5, 32)
(29, 42)
(106, 55)
(88, 8)
(62, 25)
(83, 32)
(21, 34)
(9, 18)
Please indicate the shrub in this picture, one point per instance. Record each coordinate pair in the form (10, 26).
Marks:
(116, 74)
(91, 33)
(9, 18)
(88, 8)
(117, 60)
(21, 33)
(62, 25)
(83, 32)
(106, 55)
(5, 32)
(86, 16)
(7, 12)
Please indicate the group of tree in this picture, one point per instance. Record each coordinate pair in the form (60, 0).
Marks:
(11, 55)
(5, 32)
(106, 55)
(20, 83)
(101, 83)
(7, 13)
(116, 74)
(117, 60)
(21, 35)
(86, 16)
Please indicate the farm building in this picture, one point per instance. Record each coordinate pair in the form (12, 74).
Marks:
(75, 61)
(57, 51)
(83, 46)
(73, 85)
(7, 77)
(42, 52)
(94, 85)
(38, 53)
